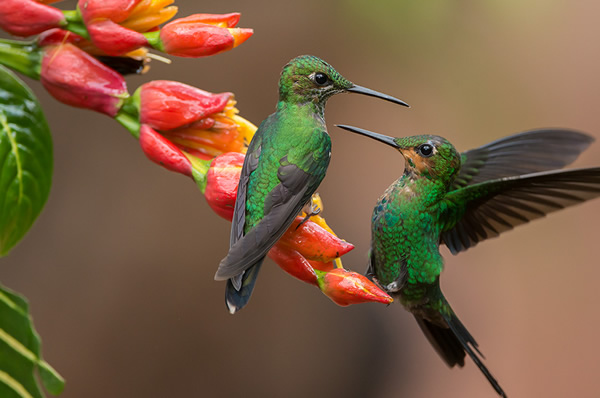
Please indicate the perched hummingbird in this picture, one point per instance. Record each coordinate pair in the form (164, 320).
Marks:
(460, 200)
(286, 161)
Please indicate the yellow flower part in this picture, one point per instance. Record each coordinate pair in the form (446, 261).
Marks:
(148, 14)
(245, 128)
(222, 132)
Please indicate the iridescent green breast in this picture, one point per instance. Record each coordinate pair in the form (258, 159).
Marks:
(292, 136)
(405, 236)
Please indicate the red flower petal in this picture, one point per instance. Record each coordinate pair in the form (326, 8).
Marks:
(166, 105)
(347, 287)
(115, 10)
(222, 182)
(75, 78)
(28, 17)
(293, 263)
(314, 242)
(190, 37)
(58, 36)
(223, 20)
(163, 152)
(114, 39)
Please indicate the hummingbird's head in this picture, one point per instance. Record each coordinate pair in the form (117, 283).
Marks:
(310, 79)
(428, 156)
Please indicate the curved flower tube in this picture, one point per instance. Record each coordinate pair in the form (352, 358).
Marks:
(28, 17)
(75, 78)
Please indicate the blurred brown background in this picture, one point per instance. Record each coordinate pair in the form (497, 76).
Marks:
(119, 267)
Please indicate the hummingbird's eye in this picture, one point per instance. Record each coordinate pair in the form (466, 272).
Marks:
(321, 78)
(425, 150)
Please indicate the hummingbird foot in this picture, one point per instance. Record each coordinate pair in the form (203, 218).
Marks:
(313, 212)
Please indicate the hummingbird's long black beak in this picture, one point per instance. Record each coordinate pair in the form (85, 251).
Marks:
(373, 93)
(376, 136)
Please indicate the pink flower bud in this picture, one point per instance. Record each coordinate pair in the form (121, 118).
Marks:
(76, 78)
(348, 287)
(161, 151)
(28, 17)
(202, 35)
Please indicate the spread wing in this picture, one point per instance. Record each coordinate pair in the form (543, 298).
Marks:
(485, 210)
(297, 182)
(523, 153)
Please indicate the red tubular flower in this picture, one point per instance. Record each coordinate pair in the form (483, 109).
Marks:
(116, 26)
(293, 263)
(314, 242)
(28, 17)
(114, 39)
(76, 78)
(198, 122)
(222, 182)
(201, 35)
(348, 287)
(161, 151)
(167, 105)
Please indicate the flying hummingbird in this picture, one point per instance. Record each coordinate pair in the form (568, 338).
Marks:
(445, 197)
(286, 161)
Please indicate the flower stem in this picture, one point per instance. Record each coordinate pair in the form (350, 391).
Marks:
(154, 40)
(72, 16)
(24, 57)
(78, 28)
(130, 122)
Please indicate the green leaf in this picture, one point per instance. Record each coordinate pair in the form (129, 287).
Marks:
(25, 160)
(20, 352)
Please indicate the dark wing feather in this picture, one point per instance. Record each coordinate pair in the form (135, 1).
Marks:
(485, 210)
(282, 205)
(523, 153)
(239, 211)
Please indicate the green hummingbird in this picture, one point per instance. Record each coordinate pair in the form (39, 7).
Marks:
(444, 197)
(286, 161)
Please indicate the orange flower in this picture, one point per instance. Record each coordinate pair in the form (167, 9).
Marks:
(201, 35)
(348, 287)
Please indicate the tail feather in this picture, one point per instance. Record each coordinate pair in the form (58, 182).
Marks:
(444, 342)
(453, 343)
(237, 298)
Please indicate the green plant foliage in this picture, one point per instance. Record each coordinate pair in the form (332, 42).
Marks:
(25, 160)
(20, 352)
